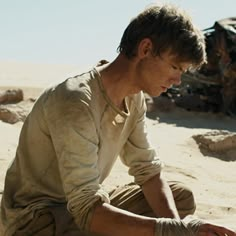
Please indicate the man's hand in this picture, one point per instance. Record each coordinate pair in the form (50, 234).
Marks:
(207, 229)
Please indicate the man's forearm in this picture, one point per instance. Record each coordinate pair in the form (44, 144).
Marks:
(109, 220)
(160, 198)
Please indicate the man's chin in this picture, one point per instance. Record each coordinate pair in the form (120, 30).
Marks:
(155, 93)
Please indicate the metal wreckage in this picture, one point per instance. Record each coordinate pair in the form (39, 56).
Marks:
(212, 88)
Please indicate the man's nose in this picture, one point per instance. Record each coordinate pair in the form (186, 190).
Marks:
(176, 80)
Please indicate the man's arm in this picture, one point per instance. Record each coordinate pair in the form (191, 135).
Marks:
(110, 220)
(160, 198)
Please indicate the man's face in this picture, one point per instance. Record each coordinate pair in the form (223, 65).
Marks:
(158, 73)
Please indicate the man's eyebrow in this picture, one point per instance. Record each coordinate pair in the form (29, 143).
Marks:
(178, 67)
(181, 68)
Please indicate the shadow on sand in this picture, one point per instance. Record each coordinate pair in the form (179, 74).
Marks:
(202, 120)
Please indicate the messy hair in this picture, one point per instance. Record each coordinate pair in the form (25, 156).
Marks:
(169, 28)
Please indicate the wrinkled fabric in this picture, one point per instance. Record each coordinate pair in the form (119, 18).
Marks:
(194, 225)
(172, 227)
(130, 197)
(67, 147)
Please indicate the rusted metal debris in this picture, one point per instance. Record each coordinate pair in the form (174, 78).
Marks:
(213, 87)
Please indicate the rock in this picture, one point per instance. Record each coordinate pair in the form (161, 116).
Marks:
(11, 96)
(12, 113)
(221, 144)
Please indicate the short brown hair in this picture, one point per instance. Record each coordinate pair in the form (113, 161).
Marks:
(169, 28)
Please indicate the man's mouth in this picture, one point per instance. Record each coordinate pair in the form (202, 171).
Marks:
(164, 89)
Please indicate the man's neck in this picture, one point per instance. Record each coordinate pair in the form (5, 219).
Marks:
(118, 80)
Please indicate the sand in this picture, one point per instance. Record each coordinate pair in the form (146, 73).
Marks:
(212, 179)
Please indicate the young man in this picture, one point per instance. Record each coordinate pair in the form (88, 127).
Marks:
(77, 129)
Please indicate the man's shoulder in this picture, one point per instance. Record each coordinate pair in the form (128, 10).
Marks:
(79, 82)
(76, 86)
(75, 90)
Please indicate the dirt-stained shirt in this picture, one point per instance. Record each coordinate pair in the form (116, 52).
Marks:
(67, 147)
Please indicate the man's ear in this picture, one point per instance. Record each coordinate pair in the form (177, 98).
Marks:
(144, 48)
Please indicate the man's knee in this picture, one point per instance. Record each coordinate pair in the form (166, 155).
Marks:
(189, 201)
(184, 199)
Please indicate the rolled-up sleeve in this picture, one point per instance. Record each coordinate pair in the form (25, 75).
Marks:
(75, 141)
(138, 153)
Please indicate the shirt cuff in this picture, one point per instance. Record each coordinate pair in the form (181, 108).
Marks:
(172, 227)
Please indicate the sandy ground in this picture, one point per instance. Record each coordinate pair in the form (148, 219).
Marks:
(213, 180)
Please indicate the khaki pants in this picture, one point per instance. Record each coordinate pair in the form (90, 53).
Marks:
(58, 221)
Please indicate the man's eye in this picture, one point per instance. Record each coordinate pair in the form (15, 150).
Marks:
(174, 67)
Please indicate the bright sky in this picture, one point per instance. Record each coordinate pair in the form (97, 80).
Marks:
(82, 31)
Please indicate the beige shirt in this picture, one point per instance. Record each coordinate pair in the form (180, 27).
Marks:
(67, 147)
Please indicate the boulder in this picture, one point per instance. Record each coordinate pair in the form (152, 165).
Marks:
(12, 113)
(11, 96)
(220, 144)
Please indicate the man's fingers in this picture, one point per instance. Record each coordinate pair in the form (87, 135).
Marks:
(221, 231)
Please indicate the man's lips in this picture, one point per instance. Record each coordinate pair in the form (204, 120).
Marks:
(164, 88)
